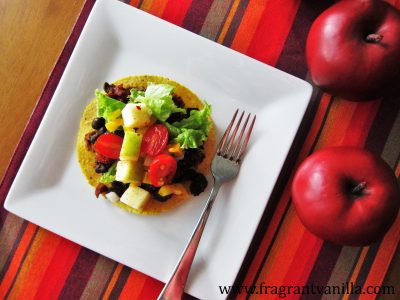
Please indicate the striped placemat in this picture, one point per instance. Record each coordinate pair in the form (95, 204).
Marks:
(35, 263)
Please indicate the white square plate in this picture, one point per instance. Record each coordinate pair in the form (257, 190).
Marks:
(119, 40)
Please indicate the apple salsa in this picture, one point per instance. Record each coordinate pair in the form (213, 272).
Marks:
(147, 144)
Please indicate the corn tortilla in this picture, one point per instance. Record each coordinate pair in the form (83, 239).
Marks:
(86, 158)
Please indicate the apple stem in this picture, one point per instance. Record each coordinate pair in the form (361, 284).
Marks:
(358, 189)
(374, 38)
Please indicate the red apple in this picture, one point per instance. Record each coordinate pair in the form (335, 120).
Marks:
(353, 49)
(346, 195)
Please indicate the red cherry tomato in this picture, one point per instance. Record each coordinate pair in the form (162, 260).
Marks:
(162, 169)
(108, 145)
(154, 140)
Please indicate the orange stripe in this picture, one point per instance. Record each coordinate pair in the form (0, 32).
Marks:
(248, 25)
(361, 123)
(357, 268)
(133, 286)
(280, 209)
(228, 21)
(384, 256)
(113, 280)
(146, 5)
(58, 270)
(17, 259)
(334, 130)
(397, 172)
(35, 264)
(158, 7)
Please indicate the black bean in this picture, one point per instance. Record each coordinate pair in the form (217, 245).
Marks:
(199, 184)
(119, 132)
(178, 101)
(101, 167)
(99, 122)
(184, 175)
(176, 117)
(93, 138)
(102, 130)
(119, 187)
(191, 159)
(154, 192)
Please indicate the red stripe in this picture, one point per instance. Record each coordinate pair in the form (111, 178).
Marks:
(151, 289)
(273, 29)
(304, 260)
(361, 123)
(57, 272)
(176, 10)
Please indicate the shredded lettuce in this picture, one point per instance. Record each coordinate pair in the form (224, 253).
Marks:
(109, 176)
(107, 105)
(192, 131)
(134, 94)
(190, 138)
(158, 97)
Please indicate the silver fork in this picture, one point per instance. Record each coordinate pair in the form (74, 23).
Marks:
(224, 167)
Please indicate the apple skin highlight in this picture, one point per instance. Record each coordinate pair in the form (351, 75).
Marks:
(346, 195)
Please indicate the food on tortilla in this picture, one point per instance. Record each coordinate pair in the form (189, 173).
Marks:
(146, 143)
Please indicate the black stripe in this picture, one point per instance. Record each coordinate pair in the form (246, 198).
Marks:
(196, 15)
(79, 275)
(292, 59)
(323, 267)
(119, 285)
(383, 123)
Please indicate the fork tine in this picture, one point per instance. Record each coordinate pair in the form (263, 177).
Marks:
(232, 138)
(246, 141)
(233, 154)
(222, 143)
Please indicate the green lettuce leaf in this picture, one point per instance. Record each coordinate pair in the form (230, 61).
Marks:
(198, 119)
(134, 94)
(109, 176)
(158, 97)
(192, 131)
(190, 138)
(107, 105)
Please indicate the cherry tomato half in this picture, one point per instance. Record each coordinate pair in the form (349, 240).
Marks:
(154, 140)
(162, 169)
(108, 145)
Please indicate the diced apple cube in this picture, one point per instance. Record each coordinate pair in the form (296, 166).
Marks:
(112, 196)
(135, 197)
(130, 149)
(136, 115)
(129, 172)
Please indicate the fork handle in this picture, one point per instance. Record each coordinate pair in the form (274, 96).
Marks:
(175, 286)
